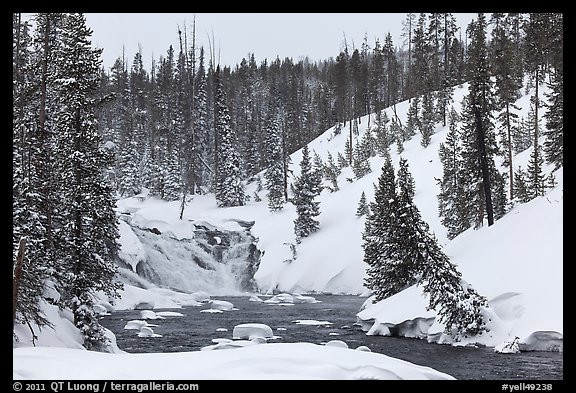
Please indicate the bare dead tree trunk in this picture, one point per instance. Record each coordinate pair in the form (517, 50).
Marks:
(16, 277)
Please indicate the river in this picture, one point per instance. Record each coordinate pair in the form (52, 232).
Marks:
(196, 329)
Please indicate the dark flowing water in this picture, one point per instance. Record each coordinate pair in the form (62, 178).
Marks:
(197, 329)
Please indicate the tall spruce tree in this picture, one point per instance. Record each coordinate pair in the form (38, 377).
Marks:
(363, 208)
(381, 253)
(554, 133)
(90, 229)
(229, 186)
(455, 213)
(274, 174)
(508, 82)
(479, 138)
(204, 141)
(31, 174)
(306, 189)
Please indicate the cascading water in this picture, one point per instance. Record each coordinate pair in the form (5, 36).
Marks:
(214, 260)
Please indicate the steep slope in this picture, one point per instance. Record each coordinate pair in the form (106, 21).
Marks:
(516, 263)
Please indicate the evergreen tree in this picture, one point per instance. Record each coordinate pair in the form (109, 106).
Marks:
(480, 145)
(331, 172)
(412, 120)
(380, 251)
(447, 38)
(342, 162)
(171, 179)
(521, 193)
(382, 137)
(455, 213)
(229, 186)
(363, 207)
(554, 133)
(31, 200)
(522, 137)
(306, 190)
(401, 251)
(274, 174)
(204, 141)
(129, 183)
(508, 82)
(535, 181)
(90, 231)
(427, 119)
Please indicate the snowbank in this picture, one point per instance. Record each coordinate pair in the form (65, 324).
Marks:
(252, 362)
(517, 264)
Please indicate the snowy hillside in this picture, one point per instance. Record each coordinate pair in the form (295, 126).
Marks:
(516, 263)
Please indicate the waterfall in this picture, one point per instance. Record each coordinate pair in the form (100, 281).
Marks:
(214, 260)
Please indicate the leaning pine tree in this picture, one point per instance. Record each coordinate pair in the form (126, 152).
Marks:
(401, 251)
(306, 188)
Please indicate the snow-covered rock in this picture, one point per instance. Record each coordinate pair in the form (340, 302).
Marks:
(251, 330)
(254, 298)
(169, 314)
(149, 314)
(297, 298)
(221, 305)
(136, 324)
(337, 344)
(146, 331)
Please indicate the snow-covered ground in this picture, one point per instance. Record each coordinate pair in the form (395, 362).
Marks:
(517, 264)
(258, 362)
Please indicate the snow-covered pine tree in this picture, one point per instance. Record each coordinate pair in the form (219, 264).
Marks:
(412, 120)
(204, 141)
(89, 232)
(402, 251)
(348, 152)
(317, 173)
(229, 186)
(30, 173)
(380, 252)
(172, 179)
(457, 304)
(479, 139)
(306, 190)
(342, 162)
(508, 83)
(554, 133)
(534, 174)
(363, 208)
(521, 193)
(382, 137)
(360, 165)
(128, 180)
(427, 119)
(331, 173)
(274, 174)
(455, 213)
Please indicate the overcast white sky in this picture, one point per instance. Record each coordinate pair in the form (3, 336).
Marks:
(267, 35)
